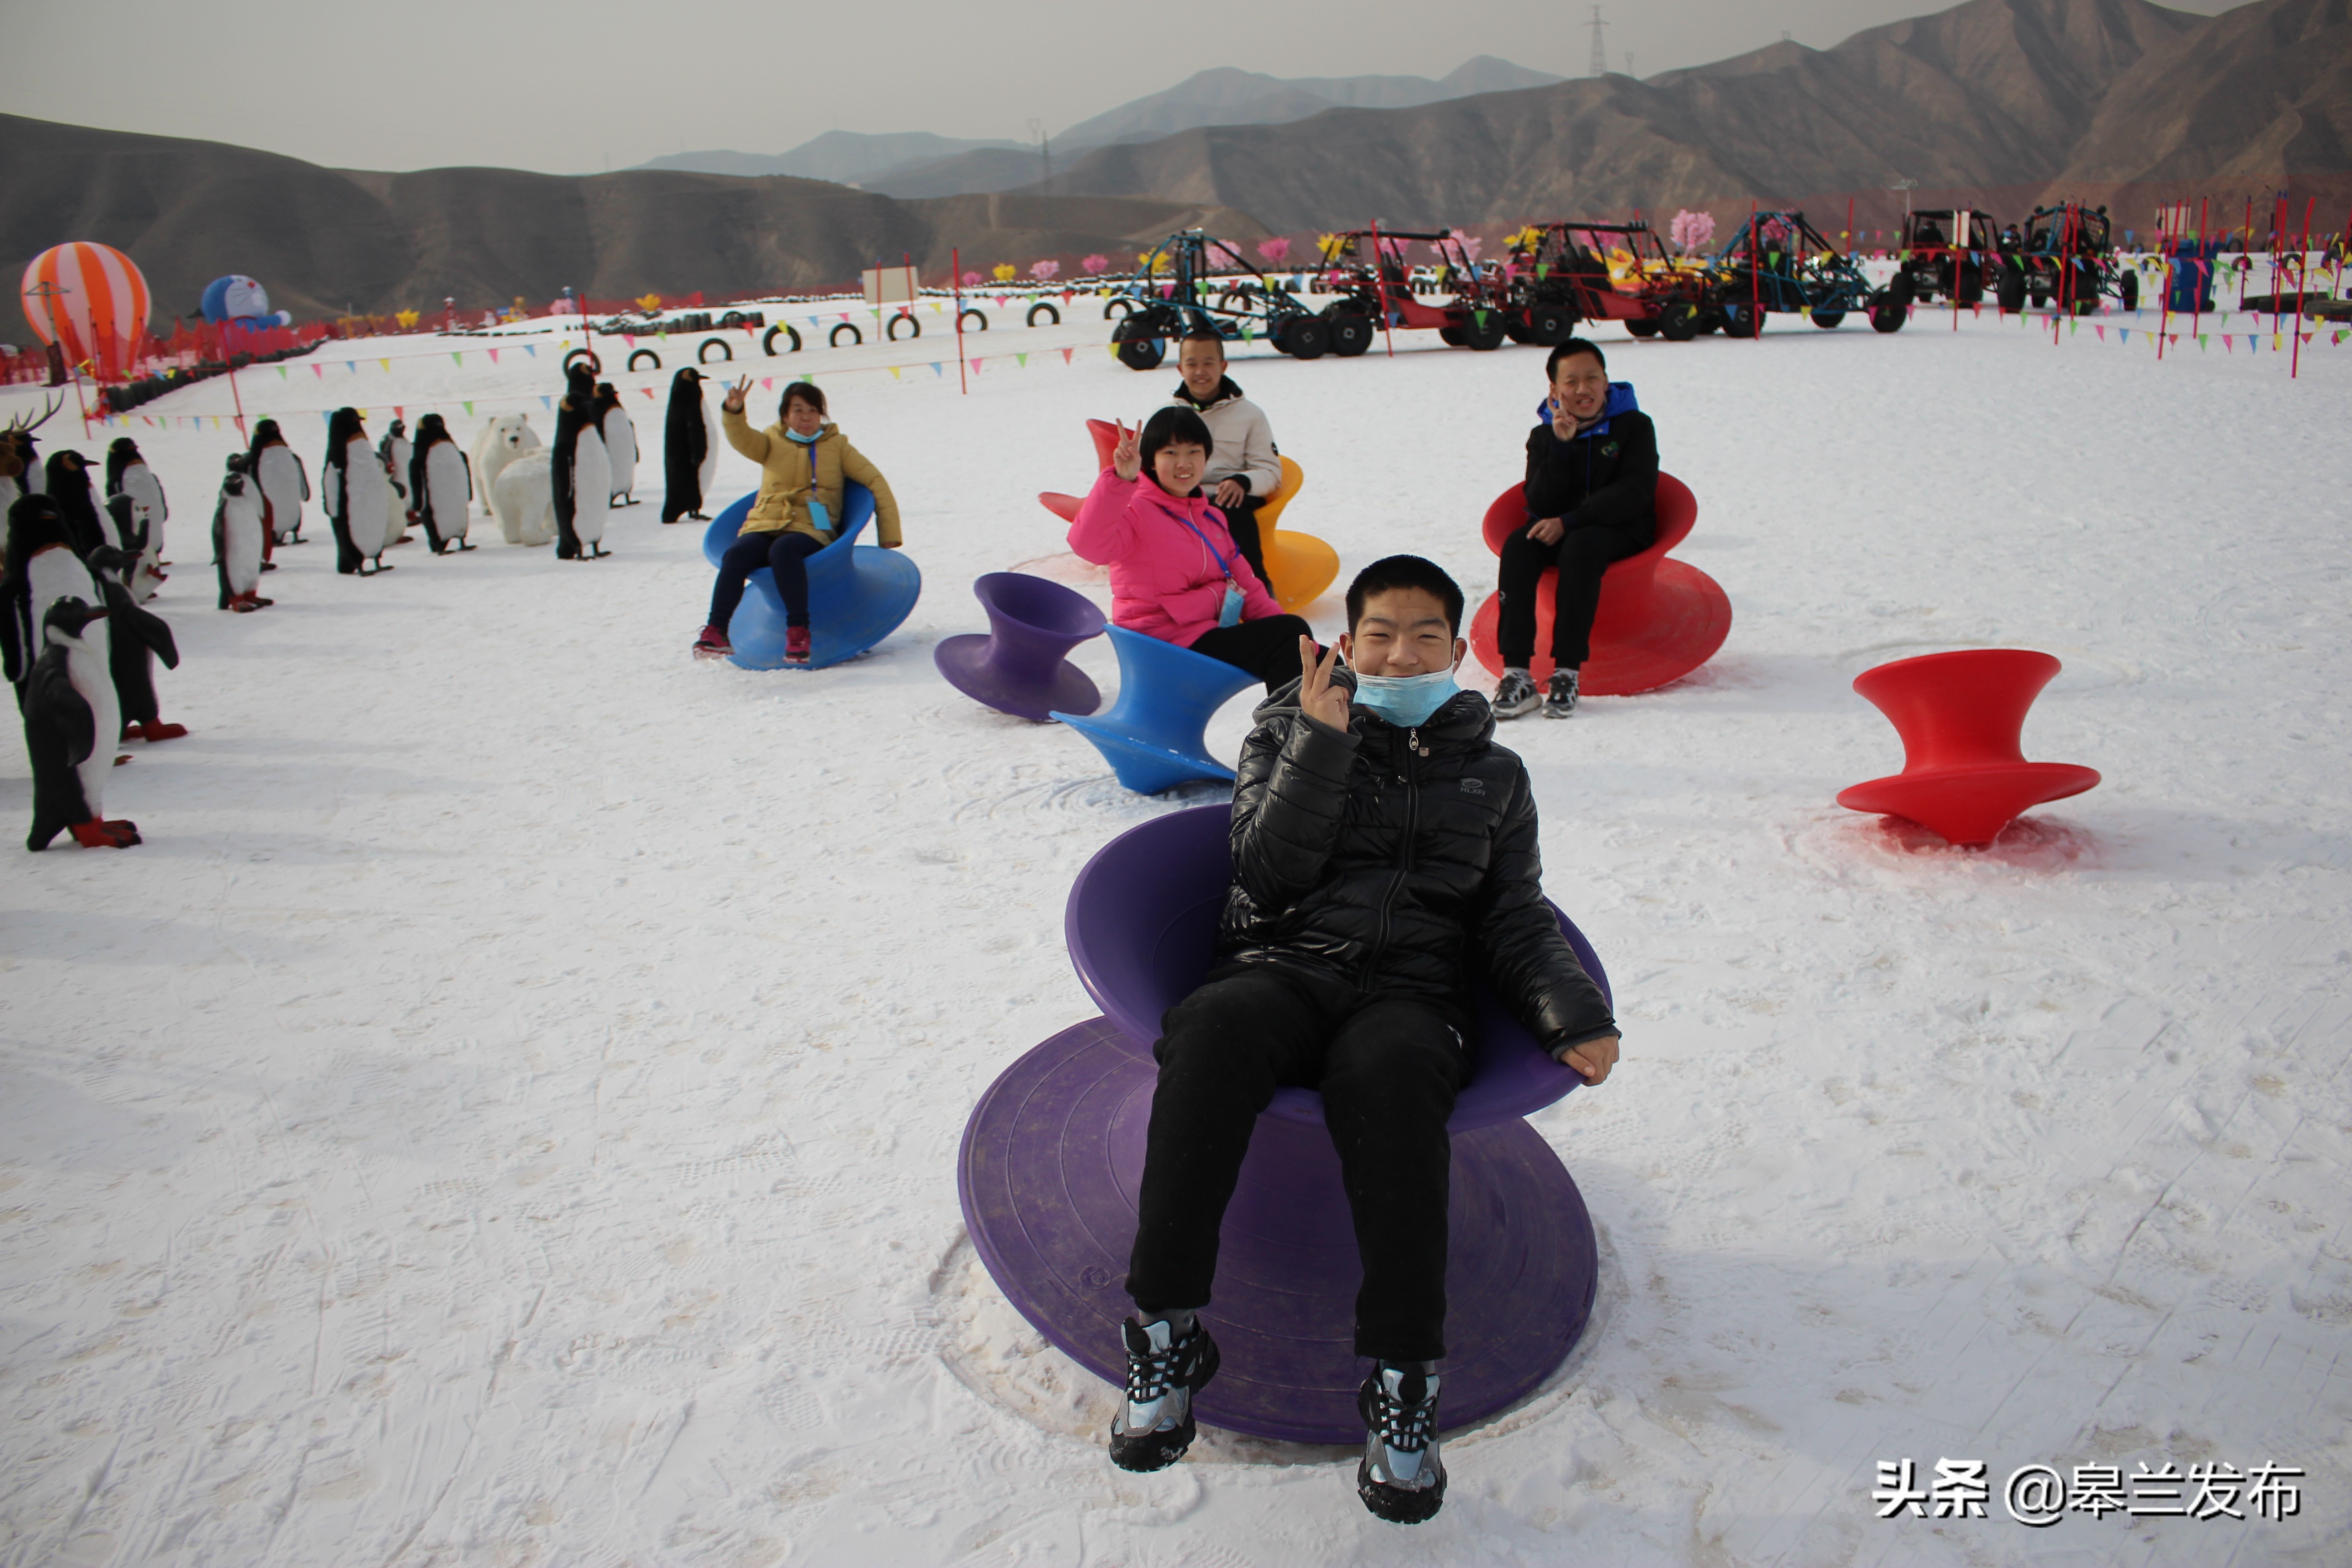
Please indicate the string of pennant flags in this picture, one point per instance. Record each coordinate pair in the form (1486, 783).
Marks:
(977, 365)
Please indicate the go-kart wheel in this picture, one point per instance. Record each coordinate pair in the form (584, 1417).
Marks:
(1352, 334)
(1549, 325)
(1483, 333)
(1709, 320)
(1738, 321)
(1887, 313)
(1643, 329)
(1678, 323)
(1972, 290)
(1309, 337)
(1451, 336)
(1143, 353)
(2129, 293)
(1829, 320)
(2011, 295)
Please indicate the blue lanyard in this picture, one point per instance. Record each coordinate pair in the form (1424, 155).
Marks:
(1222, 566)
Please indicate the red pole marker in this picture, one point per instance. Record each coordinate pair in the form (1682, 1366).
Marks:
(2302, 256)
(955, 288)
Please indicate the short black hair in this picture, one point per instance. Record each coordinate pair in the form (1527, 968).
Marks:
(808, 391)
(1174, 427)
(1572, 346)
(1200, 335)
(1392, 572)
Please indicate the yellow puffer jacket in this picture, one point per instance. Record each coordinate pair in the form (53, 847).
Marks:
(787, 478)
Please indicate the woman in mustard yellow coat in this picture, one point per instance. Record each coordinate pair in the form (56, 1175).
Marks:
(804, 460)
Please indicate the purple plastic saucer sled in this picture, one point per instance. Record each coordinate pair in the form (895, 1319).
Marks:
(1053, 1153)
(1018, 666)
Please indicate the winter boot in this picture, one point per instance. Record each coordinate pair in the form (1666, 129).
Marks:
(1154, 1427)
(1560, 702)
(1401, 1478)
(712, 644)
(1516, 695)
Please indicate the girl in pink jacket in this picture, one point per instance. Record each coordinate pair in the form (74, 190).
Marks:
(1175, 573)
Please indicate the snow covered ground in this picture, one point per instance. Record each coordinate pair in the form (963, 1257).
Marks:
(507, 1111)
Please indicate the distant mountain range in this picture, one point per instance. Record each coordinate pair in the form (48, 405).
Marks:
(2010, 99)
(1994, 102)
(917, 163)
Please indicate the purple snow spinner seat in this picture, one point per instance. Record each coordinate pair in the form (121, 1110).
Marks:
(1053, 1153)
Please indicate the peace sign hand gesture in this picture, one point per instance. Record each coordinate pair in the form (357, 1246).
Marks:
(1317, 697)
(1127, 456)
(733, 402)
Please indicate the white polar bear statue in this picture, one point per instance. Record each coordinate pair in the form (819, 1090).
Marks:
(509, 441)
(524, 498)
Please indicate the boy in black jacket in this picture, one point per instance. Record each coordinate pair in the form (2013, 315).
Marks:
(1379, 835)
(1591, 489)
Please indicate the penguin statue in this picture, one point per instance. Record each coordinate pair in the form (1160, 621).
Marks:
(357, 497)
(138, 555)
(581, 473)
(620, 433)
(70, 720)
(42, 568)
(441, 486)
(395, 449)
(68, 485)
(240, 533)
(285, 483)
(127, 474)
(136, 638)
(689, 448)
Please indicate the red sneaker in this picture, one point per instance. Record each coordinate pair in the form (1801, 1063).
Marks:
(712, 644)
(796, 645)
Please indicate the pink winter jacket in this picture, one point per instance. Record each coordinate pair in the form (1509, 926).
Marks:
(1164, 582)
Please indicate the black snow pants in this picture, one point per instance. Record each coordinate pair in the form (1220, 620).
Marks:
(1582, 554)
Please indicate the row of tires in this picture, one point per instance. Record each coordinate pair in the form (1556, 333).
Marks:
(716, 351)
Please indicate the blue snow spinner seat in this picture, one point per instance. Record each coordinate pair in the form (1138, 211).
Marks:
(858, 593)
(1155, 736)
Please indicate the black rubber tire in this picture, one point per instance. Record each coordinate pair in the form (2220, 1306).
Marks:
(1678, 323)
(1643, 329)
(1450, 336)
(733, 321)
(1052, 313)
(1114, 309)
(1971, 283)
(1308, 338)
(1829, 320)
(1143, 353)
(1352, 334)
(1740, 320)
(1710, 319)
(726, 350)
(1901, 291)
(914, 327)
(833, 338)
(2127, 291)
(1550, 325)
(595, 366)
(644, 354)
(1483, 333)
(1887, 313)
(2010, 297)
(768, 340)
(970, 314)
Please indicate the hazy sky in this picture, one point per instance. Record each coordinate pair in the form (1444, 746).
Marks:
(585, 85)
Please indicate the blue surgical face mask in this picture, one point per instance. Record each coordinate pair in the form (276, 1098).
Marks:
(1405, 701)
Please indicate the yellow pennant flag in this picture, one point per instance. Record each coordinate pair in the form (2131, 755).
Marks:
(894, 372)
(387, 365)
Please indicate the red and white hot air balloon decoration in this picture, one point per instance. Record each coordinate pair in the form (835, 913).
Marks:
(91, 300)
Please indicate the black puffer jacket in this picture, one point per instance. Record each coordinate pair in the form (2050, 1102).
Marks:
(1399, 859)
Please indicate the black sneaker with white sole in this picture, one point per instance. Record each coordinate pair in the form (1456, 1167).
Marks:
(1516, 695)
(1401, 1478)
(1154, 1423)
(1559, 701)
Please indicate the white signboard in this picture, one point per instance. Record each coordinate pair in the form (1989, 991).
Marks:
(891, 285)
